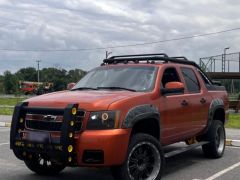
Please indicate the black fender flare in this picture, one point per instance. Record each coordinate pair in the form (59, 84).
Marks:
(139, 113)
(216, 104)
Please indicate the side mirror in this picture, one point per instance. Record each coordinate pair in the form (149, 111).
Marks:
(70, 86)
(173, 88)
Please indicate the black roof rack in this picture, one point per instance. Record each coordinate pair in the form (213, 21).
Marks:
(150, 58)
(181, 57)
(139, 55)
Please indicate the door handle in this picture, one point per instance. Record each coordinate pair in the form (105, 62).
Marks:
(203, 100)
(184, 103)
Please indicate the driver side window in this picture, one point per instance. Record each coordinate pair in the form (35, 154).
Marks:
(169, 75)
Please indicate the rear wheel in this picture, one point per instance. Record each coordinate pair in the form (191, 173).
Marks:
(43, 166)
(144, 160)
(216, 137)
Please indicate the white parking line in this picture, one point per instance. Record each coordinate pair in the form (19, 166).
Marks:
(215, 176)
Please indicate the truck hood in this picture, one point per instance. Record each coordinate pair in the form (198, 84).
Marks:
(88, 100)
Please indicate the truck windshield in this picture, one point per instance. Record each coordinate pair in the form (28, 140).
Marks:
(132, 78)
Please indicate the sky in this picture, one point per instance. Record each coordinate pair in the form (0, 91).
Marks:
(84, 24)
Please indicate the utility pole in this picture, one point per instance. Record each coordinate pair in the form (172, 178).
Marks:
(224, 59)
(38, 61)
(107, 54)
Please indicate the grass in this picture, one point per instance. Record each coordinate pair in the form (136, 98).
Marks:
(234, 121)
(8, 102)
(6, 111)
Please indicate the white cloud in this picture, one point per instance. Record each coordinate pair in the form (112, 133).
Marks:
(70, 24)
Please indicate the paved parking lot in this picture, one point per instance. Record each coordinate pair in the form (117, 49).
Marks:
(188, 166)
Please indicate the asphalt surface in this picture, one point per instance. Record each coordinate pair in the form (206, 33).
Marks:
(187, 166)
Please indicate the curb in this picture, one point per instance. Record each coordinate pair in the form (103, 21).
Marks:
(5, 124)
(230, 142)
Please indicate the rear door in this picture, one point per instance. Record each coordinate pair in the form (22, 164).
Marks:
(197, 98)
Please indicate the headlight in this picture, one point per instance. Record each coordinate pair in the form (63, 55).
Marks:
(103, 120)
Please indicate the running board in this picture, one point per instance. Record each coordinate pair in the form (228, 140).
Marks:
(184, 149)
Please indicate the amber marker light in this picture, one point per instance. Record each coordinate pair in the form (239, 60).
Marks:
(71, 123)
(74, 111)
(21, 120)
(70, 148)
(117, 117)
(70, 135)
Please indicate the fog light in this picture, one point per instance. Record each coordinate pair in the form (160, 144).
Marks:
(70, 148)
(72, 123)
(74, 111)
(21, 120)
(69, 159)
(70, 135)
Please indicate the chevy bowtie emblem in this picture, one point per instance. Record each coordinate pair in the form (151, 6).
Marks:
(49, 118)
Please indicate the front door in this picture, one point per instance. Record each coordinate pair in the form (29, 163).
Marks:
(174, 110)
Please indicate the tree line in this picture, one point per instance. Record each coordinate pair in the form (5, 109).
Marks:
(9, 82)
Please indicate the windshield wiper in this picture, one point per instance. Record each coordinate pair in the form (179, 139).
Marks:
(84, 88)
(116, 88)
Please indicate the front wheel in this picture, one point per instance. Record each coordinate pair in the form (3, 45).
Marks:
(216, 137)
(43, 166)
(144, 160)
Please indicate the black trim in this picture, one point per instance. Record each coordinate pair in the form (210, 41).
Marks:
(65, 140)
(215, 105)
(19, 145)
(139, 113)
(16, 125)
(215, 88)
(166, 92)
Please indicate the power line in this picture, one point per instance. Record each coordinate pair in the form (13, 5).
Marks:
(122, 46)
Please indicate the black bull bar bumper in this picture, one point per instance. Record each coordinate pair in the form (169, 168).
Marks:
(63, 150)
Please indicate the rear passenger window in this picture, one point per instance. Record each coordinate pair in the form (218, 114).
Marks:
(190, 80)
(205, 79)
(169, 75)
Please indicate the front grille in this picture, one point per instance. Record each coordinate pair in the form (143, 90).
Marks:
(49, 125)
(37, 122)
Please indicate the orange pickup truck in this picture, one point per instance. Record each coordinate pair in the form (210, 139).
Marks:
(122, 115)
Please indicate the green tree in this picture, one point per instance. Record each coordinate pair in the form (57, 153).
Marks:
(55, 76)
(10, 83)
(59, 77)
(27, 74)
(1, 84)
(75, 75)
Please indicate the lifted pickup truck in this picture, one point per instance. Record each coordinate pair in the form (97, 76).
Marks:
(122, 115)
